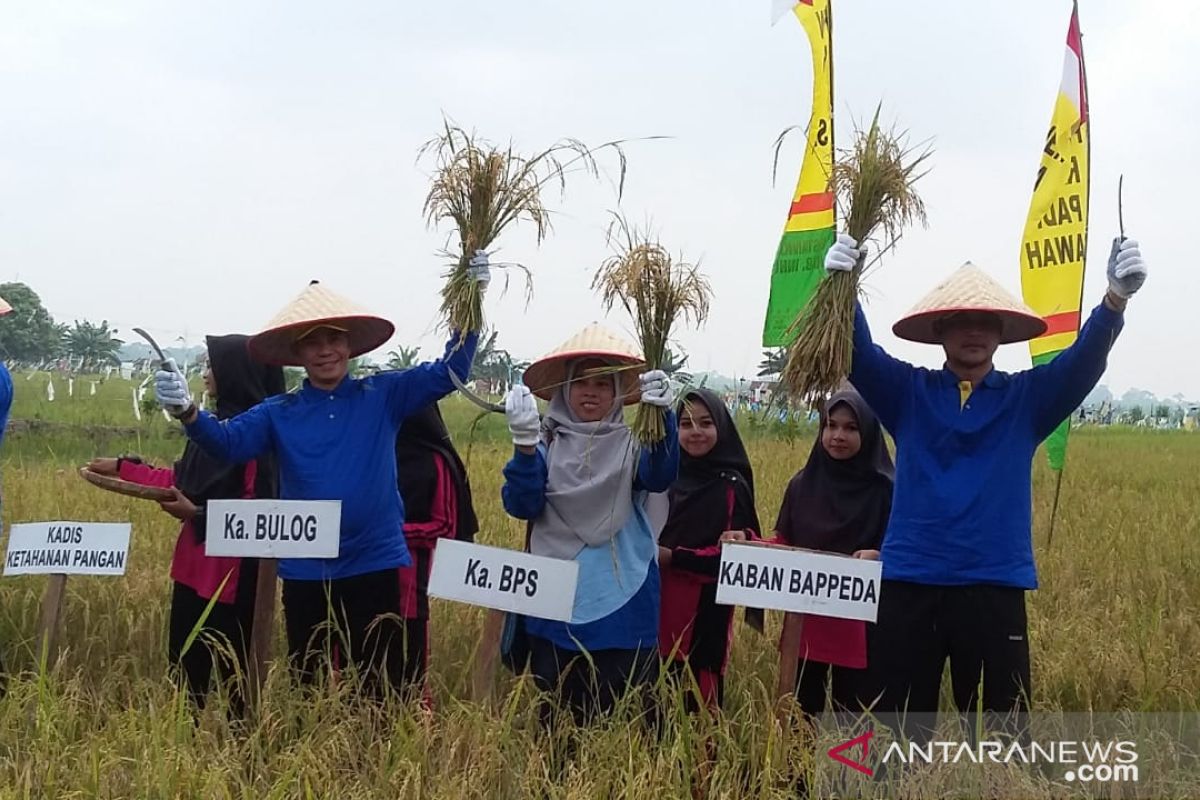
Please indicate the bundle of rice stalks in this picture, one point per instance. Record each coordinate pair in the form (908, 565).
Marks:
(874, 185)
(482, 189)
(656, 290)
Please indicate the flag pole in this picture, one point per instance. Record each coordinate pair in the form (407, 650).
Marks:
(1086, 116)
(1054, 506)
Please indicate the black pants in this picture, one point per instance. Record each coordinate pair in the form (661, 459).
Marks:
(590, 685)
(846, 687)
(981, 629)
(350, 621)
(221, 645)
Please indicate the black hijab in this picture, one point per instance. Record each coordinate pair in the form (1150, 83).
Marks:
(421, 435)
(241, 385)
(841, 506)
(699, 497)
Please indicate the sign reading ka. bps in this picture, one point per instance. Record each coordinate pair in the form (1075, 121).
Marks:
(509, 580)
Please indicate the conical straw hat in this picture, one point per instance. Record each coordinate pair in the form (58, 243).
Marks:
(4, 307)
(548, 373)
(316, 306)
(969, 289)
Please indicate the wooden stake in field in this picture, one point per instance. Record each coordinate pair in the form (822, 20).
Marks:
(482, 189)
(51, 617)
(874, 184)
(655, 289)
(486, 655)
(262, 628)
(789, 659)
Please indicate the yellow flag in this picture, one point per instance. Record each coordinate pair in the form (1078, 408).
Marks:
(1055, 242)
(809, 230)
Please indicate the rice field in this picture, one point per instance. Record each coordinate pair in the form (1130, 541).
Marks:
(1115, 626)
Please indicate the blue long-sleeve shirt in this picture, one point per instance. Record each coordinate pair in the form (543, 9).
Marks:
(340, 445)
(634, 626)
(962, 507)
(6, 398)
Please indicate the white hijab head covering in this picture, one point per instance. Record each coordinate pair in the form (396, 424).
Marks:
(590, 468)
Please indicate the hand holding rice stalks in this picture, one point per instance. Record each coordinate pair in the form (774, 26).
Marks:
(874, 184)
(656, 290)
(482, 189)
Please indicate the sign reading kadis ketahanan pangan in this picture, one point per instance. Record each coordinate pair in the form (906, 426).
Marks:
(801, 581)
(67, 548)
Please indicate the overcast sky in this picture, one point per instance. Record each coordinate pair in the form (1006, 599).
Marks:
(188, 167)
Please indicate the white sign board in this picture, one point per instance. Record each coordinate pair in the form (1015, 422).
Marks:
(509, 580)
(67, 548)
(273, 528)
(799, 580)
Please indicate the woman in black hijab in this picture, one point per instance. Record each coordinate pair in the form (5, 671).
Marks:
(839, 502)
(437, 504)
(711, 501)
(238, 384)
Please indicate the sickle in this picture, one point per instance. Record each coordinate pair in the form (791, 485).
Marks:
(486, 405)
(162, 358)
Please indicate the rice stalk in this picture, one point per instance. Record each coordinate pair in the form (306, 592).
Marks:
(656, 290)
(874, 184)
(481, 189)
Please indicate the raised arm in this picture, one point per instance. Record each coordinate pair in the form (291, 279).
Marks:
(524, 490)
(658, 466)
(1058, 387)
(883, 381)
(236, 440)
(426, 383)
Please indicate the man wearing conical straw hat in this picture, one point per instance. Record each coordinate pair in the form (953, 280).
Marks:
(958, 552)
(335, 440)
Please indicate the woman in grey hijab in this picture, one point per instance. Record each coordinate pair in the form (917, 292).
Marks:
(580, 478)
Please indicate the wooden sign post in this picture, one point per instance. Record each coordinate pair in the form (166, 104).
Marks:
(59, 549)
(270, 530)
(262, 627)
(501, 580)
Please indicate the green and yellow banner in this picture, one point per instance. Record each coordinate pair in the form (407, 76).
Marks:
(809, 231)
(1055, 241)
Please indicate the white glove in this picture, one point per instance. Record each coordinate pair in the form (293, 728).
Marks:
(171, 390)
(521, 411)
(656, 389)
(479, 270)
(843, 255)
(1126, 269)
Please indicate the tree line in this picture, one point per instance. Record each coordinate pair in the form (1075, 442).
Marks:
(29, 336)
